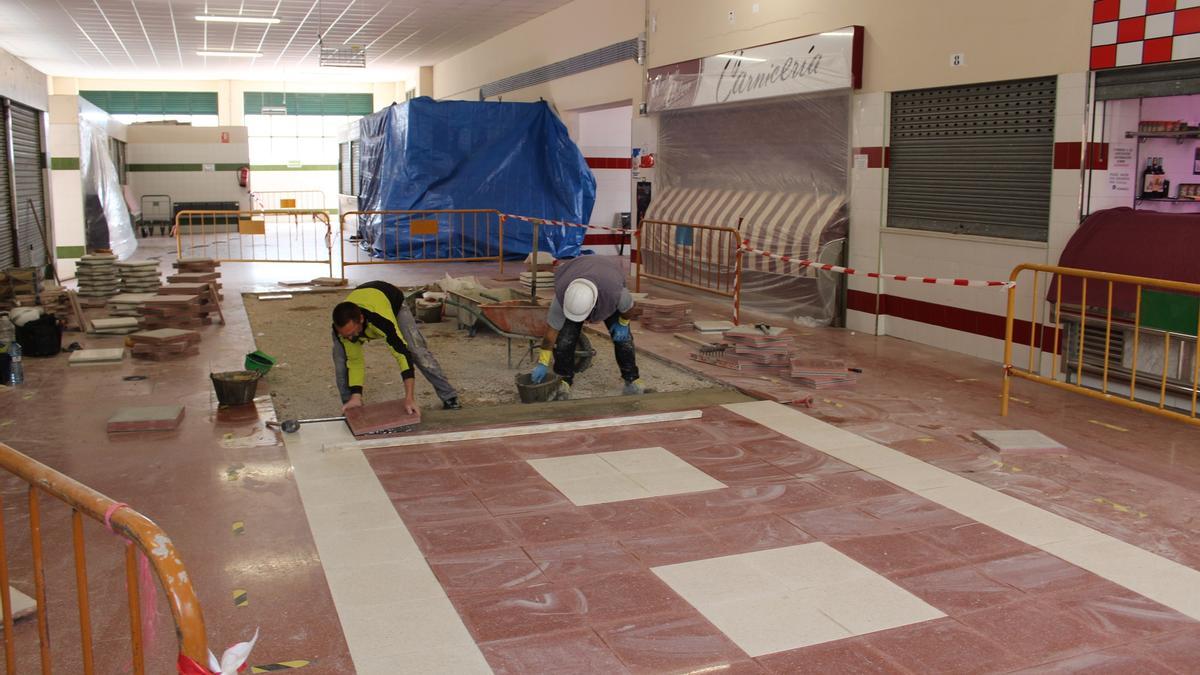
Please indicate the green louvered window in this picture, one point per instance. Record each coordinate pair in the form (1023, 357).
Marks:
(154, 102)
(308, 103)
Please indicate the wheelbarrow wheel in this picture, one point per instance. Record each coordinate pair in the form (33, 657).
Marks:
(584, 354)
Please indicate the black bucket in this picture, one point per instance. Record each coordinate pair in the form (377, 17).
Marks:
(235, 387)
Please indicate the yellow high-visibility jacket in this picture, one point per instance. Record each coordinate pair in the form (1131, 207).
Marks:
(379, 322)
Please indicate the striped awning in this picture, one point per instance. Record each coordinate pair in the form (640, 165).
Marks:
(791, 223)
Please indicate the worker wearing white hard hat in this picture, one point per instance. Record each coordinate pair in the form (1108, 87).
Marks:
(587, 289)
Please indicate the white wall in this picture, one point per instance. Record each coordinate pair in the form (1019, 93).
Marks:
(605, 135)
(23, 83)
(154, 147)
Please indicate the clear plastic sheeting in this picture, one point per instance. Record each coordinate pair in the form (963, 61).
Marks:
(102, 187)
(425, 155)
(775, 170)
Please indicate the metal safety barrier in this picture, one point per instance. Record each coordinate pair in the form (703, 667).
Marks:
(1095, 326)
(139, 534)
(397, 237)
(305, 200)
(274, 235)
(703, 257)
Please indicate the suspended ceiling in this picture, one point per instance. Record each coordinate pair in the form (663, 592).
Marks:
(158, 39)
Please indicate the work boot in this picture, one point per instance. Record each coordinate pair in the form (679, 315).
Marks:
(563, 393)
(451, 404)
(634, 388)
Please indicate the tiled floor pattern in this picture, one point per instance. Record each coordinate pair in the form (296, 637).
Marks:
(624, 586)
(621, 475)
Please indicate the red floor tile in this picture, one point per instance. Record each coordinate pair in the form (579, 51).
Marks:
(627, 596)
(576, 561)
(502, 475)
(439, 508)
(959, 590)
(839, 522)
(852, 655)
(895, 554)
(1038, 572)
(747, 472)
(974, 541)
(671, 643)
(574, 651)
(1037, 631)
(1111, 609)
(522, 612)
(486, 571)
(521, 498)
(553, 525)
(755, 533)
(389, 461)
(407, 484)
(448, 538)
(481, 454)
(798, 459)
(941, 646)
(1119, 661)
(1178, 651)
(670, 545)
(854, 486)
(912, 511)
(635, 514)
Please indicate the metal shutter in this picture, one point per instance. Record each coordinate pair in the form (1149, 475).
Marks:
(973, 159)
(355, 169)
(8, 245)
(344, 167)
(28, 176)
(1160, 79)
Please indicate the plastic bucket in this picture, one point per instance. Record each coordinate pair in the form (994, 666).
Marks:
(259, 362)
(536, 393)
(429, 312)
(235, 387)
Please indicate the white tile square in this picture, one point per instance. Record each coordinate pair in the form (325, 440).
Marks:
(1185, 46)
(791, 597)
(1160, 25)
(1104, 33)
(621, 475)
(1186, 4)
(1132, 8)
(1129, 54)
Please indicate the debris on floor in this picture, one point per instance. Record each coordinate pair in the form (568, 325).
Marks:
(164, 343)
(821, 373)
(146, 418)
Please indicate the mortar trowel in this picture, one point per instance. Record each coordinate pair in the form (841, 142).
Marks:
(292, 426)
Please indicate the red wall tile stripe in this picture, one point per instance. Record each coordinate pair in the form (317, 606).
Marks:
(609, 162)
(1106, 10)
(1157, 50)
(945, 316)
(877, 156)
(611, 239)
(1069, 155)
(1160, 6)
(1104, 56)
(1187, 21)
(1132, 29)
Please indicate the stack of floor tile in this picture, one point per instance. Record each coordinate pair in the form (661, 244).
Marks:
(545, 279)
(164, 343)
(21, 285)
(55, 300)
(665, 316)
(97, 275)
(712, 327)
(186, 265)
(200, 278)
(821, 373)
(128, 304)
(91, 357)
(175, 311)
(139, 277)
(183, 289)
(117, 325)
(146, 418)
(765, 351)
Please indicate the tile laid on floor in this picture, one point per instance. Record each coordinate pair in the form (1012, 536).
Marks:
(796, 596)
(620, 475)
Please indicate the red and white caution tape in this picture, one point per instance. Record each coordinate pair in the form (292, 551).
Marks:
(876, 275)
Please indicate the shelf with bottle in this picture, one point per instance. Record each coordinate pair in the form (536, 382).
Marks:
(1179, 136)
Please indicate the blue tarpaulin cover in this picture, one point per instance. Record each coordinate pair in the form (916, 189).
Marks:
(435, 155)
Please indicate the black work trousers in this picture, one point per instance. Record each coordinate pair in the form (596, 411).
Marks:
(568, 339)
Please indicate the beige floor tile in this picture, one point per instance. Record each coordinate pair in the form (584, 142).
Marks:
(675, 481)
(773, 624)
(574, 467)
(642, 459)
(871, 604)
(600, 490)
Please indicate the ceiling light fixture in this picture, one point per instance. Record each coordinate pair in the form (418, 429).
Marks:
(237, 19)
(248, 55)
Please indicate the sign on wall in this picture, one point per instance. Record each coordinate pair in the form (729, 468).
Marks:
(814, 63)
(1135, 32)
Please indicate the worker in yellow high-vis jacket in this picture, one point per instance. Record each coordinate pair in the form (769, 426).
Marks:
(376, 311)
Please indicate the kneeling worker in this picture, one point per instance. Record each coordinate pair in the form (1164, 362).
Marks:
(587, 289)
(374, 311)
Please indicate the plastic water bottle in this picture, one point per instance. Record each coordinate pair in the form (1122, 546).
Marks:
(16, 372)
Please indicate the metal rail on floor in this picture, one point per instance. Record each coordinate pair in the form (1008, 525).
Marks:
(270, 235)
(140, 535)
(704, 257)
(1066, 322)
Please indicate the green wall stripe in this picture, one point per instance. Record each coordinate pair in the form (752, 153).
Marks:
(181, 167)
(308, 103)
(64, 163)
(285, 167)
(154, 102)
(69, 251)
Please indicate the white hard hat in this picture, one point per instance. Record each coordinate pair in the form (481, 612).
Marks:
(579, 300)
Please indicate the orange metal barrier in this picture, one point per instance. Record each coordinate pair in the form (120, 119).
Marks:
(1092, 335)
(396, 237)
(703, 257)
(139, 533)
(305, 200)
(275, 235)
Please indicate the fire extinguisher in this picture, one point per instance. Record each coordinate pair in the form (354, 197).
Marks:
(243, 176)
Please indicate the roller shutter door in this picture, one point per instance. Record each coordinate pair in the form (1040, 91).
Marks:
(28, 176)
(8, 246)
(973, 159)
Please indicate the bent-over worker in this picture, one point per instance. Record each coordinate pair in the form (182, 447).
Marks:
(376, 311)
(587, 289)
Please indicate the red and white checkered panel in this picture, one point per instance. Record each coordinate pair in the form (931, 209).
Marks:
(1132, 32)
